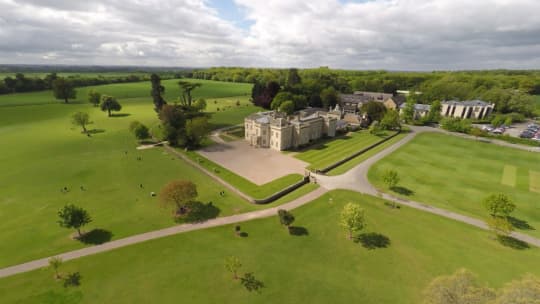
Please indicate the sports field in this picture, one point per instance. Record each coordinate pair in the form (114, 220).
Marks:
(457, 174)
(332, 150)
(402, 250)
(43, 153)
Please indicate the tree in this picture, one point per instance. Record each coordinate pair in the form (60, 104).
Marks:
(374, 110)
(329, 97)
(280, 98)
(173, 121)
(477, 132)
(287, 107)
(524, 291)
(499, 205)
(293, 78)
(390, 121)
(81, 119)
(500, 226)
(63, 89)
(391, 178)
(55, 263)
(375, 128)
(285, 218)
(109, 103)
(141, 132)
(250, 282)
(177, 194)
(195, 131)
(185, 90)
(200, 104)
(461, 287)
(407, 114)
(72, 279)
(435, 111)
(94, 97)
(352, 218)
(74, 217)
(232, 264)
(157, 91)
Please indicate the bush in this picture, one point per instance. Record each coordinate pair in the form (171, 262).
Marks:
(133, 125)
(456, 125)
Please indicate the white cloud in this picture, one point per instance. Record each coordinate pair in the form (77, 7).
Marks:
(391, 34)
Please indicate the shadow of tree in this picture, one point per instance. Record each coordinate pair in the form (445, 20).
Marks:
(519, 224)
(373, 240)
(511, 242)
(198, 212)
(243, 234)
(95, 131)
(392, 205)
(120, 115)
(298, 231)
(402, 190)
(96, 237)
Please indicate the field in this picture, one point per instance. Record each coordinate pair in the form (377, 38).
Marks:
(457, 174)
(42, 153)
(330, 151)
(136, 90)
(319, 266)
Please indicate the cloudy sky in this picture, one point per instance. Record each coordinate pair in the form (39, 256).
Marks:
(361, 34)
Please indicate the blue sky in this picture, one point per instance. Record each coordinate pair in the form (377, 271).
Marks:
(228, 10)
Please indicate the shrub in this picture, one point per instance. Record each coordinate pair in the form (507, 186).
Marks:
(456, 125)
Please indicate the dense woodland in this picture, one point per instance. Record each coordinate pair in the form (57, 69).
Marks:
(509, 90)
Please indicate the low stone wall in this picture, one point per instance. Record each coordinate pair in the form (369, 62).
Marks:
(283, 192)
(348, 158)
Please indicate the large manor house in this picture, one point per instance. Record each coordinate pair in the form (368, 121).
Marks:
(278, 131)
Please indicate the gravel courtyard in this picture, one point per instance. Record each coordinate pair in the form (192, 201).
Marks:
(258, 165)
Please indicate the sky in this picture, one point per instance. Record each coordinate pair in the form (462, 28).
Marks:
(345, 34)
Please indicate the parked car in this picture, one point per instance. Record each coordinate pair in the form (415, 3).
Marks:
(487, 128)
(498, 131)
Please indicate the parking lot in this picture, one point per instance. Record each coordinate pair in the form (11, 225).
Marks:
(523, 130)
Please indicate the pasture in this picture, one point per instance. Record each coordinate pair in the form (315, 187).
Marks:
(457, 174)
(393, 259)
(42, 153)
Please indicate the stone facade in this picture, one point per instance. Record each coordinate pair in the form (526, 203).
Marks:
(420, 110)
(277, 131)
(351, 103)
(471, 109)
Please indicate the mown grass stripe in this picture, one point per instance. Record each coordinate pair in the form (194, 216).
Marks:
(534, 181)
(509, 176)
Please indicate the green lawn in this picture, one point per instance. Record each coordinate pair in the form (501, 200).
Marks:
(330, 151)
(209, 90)
(42, 153)
(320, 267)
(457, 174)
(362, 157)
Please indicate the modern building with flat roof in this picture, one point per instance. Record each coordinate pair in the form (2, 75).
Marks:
(469, 109)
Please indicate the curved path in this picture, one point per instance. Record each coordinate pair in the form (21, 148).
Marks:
(355, 179)
(139, 238)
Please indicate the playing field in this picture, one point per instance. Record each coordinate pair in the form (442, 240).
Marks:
(408, 249)
(332, 150)
(457, 174)
(41, 153)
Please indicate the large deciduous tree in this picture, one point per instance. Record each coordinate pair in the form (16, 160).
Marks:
(390, 121)
(177, 194)
(232, 264)
(374, 110)
(407, 113)
(94, 98)
(109, 103)
(63, 89)
(499, 204)
(287, 107)
(157, 92)
(523, 291)
(329, 97)
(186, 88)
(74, 217)
(196, 130)
(461, 287)
(286, 218)
(81, 119)
(352, 218)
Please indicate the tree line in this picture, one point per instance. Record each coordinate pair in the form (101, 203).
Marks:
(21, 83)
(509, 90)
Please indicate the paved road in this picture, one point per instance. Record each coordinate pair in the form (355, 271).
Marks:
(355, 179)
(139, 238)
